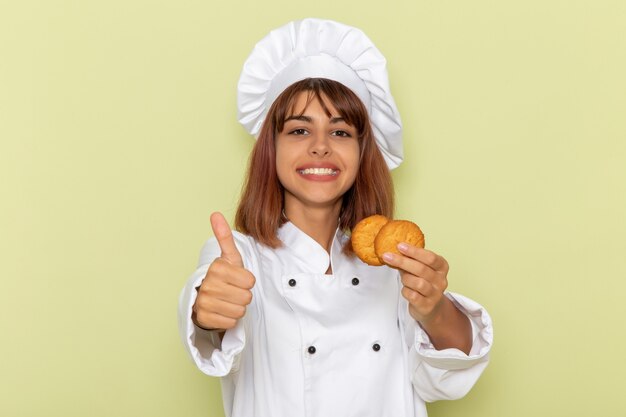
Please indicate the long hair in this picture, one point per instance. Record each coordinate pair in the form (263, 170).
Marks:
(260, 211)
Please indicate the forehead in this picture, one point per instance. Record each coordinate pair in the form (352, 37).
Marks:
(307, 101)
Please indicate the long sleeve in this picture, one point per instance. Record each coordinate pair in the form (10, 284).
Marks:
(211, 356)
(449, 373)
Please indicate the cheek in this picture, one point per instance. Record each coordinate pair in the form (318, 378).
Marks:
(353, 156)
(282, 163)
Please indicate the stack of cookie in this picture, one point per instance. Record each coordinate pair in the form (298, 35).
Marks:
(375, 235)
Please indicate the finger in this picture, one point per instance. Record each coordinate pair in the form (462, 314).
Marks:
(224, 271)
(224, 236)
(430, 258)
(419, 304)
(224, 308)
(234, 288)
(232, 294)
(420, 285)
(413, 297)
(215, 321)
(410, 265)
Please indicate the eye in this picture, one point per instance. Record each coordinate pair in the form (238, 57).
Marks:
(342, 133)
(298, 132)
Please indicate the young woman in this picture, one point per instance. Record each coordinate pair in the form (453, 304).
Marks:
(281, 309)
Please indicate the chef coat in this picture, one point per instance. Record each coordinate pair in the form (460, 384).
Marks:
(319, 345)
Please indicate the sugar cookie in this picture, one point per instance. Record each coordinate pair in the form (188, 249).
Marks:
(375, 235)
(394, 232)
(363, 235)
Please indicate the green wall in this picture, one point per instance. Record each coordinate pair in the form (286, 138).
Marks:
(118, 137)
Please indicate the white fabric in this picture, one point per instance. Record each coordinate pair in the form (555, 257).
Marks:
(264, 362)
(315, 48)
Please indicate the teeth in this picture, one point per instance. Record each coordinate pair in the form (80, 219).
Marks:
(318, 171)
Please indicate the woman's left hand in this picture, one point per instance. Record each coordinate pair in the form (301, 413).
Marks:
(424, 276)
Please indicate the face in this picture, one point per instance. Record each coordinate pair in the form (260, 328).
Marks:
(317, 156)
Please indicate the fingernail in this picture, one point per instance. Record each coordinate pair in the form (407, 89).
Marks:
(403, 247)
(388, 256)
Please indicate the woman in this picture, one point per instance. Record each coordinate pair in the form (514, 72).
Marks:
(281, 309)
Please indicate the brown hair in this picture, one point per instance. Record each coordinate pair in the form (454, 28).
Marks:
(260, 211)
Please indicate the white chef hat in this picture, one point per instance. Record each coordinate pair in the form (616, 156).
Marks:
(316, 48)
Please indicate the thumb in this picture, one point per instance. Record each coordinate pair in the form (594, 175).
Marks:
(224, 236)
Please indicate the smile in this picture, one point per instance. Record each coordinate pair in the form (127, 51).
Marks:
(318, 171)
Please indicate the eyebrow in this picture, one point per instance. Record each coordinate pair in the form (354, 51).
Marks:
(307, 119)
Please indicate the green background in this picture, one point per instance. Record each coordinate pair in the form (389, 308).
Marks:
(118, 138)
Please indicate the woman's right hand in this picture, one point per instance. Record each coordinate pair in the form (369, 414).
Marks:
(226, 289)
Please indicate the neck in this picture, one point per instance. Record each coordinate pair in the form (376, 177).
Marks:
(320, 223)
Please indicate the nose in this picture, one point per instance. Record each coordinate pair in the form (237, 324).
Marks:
(320, 146)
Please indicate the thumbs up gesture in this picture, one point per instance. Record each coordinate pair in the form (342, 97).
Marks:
(226, 289)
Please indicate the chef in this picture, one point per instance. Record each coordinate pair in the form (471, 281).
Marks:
(280, 309)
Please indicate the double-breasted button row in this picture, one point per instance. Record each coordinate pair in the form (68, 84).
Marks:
(311, 349)
(292, 282)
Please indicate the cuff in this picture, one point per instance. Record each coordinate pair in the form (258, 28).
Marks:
(215, 357)
(482, 338)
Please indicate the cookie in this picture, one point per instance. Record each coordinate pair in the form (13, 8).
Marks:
(363, 235)
(394, 232)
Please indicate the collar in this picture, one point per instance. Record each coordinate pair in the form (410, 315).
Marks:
(311, 255)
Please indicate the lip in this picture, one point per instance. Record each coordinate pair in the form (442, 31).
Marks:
(313, 176)
(319, 165)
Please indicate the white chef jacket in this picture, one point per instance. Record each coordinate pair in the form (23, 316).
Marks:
(316, 345)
